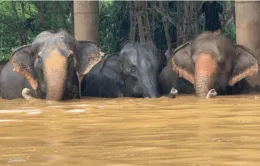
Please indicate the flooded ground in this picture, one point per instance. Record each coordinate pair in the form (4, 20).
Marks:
(131, 132)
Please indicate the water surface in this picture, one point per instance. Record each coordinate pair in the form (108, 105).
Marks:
(131, 132)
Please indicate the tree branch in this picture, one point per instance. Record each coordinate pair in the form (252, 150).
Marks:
(166, 16)
(166, 29)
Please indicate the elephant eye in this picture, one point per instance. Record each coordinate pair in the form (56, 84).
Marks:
(71, 60)
(133, 69)
(39, 60)
(222, 64)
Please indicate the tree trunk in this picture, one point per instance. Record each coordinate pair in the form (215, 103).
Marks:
(233, 10)
(19, 27)
(72, 18)
(146, 22)
(247, 29)
(186, 23)
(179, 26)
(153, 26)
(138, 12)
(23, 28)
(39, 5)
(63, 17)
(166, 29)
(132, 21)
(196, 18)
(86, 20)
(54, 14)
(199, 21)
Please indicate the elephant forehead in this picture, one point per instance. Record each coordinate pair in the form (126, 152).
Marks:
(49, 44)
(49, 34)
(56, 43)
(145, 63)
(130, 55)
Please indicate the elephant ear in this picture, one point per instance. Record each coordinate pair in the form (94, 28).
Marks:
(182, 62)
(88, 54)
(245, 64)
(22, 61)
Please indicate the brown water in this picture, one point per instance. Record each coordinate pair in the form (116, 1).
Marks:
(130, 132)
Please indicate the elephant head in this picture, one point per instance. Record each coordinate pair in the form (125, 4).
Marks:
(211, 61)
(141, 64)
(88, 55)
(49, 65)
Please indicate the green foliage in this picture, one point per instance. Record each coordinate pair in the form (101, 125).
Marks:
(14, 16)
(114, 23)
(230, 31)
(9, 27)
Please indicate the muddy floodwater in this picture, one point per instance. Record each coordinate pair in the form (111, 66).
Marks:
(131, 132)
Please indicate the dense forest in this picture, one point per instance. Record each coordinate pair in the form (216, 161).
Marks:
(168, 24)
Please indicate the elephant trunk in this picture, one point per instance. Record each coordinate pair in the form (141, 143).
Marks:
(150, 86)
(55, 72)
(205, 70)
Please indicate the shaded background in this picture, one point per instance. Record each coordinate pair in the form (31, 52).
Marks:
(119, 22)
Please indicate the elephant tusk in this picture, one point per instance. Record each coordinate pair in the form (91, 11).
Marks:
(26, 94)
(173, 93)
(211, 94)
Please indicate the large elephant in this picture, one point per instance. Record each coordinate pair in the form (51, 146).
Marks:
(212, 61)
(48, 67)
(247, 27)
(131, 73)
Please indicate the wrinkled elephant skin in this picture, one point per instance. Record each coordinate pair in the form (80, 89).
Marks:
(212, 61)
(48, 67)
(131, 73)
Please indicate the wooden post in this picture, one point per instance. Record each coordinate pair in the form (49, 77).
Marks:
(86, 20)
(247, 30)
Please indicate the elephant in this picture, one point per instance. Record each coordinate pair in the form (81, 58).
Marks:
(105, 79)
(213, 61)
(49, 67)
(133, 72)
(169, 80)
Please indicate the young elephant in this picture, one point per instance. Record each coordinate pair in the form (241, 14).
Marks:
(47, 67)
(104, 80)
(132, 73)
(212, 61)
(169, 79)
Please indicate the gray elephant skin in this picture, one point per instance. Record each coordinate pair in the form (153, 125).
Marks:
(48, 67)
(131, 73)
(212, 61)
(169, 79)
